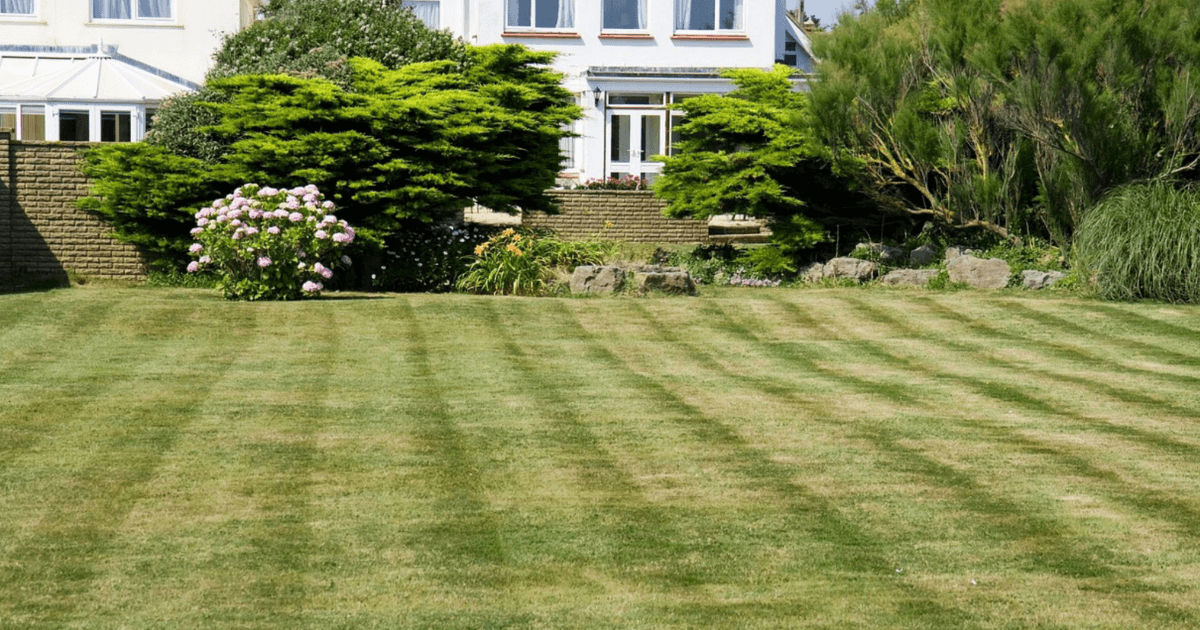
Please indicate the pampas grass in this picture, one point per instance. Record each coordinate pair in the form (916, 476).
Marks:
(1143, 242)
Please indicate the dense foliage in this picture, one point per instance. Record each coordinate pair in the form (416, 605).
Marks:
(1143, 241)
(753, 152)
(1012, 116)
(420, 142)
(316, 37)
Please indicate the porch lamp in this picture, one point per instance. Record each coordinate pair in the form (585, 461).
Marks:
(599, 95)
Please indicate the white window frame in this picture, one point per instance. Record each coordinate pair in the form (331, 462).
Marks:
(512, 28)
(33, 15)
(717, 28)
(410, 4)
(135, 18)
(20, 110)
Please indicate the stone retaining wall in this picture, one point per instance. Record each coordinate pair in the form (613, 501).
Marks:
(625, 215)
(42, 234)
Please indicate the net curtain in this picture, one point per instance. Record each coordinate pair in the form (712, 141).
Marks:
(122, 9)
(19, 7)
(565, 17)
(428, 11)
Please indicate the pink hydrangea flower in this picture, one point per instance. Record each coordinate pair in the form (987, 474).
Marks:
(197, 230)
(193, 267)
(204, 260)
(295, 216)
(264, 262)
(341, 237)
(251, 230)
(311, 287)
(321, 234)
(196, 247)
(272, 230)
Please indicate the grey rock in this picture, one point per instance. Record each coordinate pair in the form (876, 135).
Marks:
(913, 277)
(678, 282)
(888, 255)
(921, 256)
(812, 273)
(602, 279)
(992, 273)
(852, 268)
(954, 251)
(1040, 279)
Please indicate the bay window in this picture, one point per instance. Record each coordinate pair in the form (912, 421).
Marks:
(624, 14)
(549, 14)
(709, 15)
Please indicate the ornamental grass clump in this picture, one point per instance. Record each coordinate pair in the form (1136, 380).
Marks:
(270, 244)
(1143, 242)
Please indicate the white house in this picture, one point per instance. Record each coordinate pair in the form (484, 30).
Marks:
(94, 70)
(628, 60)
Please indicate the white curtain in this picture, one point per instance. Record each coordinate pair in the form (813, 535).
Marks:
(17, 7)
(683, 14)
(566, 14)
(514, 12)
(641, 13)
(111, 10)
(154, 8)
(428, 11)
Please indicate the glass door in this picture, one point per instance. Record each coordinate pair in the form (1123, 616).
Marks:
(634, 138)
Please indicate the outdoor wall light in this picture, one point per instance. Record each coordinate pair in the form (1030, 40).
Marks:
(599, 95)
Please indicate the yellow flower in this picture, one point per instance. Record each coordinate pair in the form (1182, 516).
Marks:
(607, 224)
(516, 238)
(479, 249)
(508, 232)
(513, 248)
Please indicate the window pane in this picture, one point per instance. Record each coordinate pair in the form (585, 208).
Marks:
(635, 99)
(16, 7)
(702, 15)
(620, 139)
(111, 10)
(651, 136)
(115, 126)
(554, 14)
(8, 118)
(428, 11)
(520, 12)
(154, 8)
(625, 14)
(33, 122)
(73, 127)
(676, 136)
(731, 14)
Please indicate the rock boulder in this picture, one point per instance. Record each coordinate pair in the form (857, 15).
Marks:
(1040, 279)
(601, 279)
(852, 268)
(992, 273)
(911, 277)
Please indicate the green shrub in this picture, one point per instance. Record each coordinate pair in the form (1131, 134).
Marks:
(507, 264)
(1143, 242)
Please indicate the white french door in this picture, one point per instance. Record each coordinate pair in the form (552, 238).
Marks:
(635, 136)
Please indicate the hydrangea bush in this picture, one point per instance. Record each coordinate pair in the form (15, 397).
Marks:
(270, 244)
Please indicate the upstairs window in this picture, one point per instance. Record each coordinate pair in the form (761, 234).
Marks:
(625, 15)
(132, 10)
(548, 14)
(16, 7)
(709, 15)
(428, 11)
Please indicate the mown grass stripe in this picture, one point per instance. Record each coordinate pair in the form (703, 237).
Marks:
(463, 546)
(1051, 548)
(53, 567)
(853, 548)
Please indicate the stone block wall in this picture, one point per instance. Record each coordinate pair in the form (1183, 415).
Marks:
(42, 234)
(626, 215)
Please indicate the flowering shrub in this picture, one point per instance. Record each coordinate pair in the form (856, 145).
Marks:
(508, 263)
(627, 182)
(428, 257)
(270, 244)
(741, 279)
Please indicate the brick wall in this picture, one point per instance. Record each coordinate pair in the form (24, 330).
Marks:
(42, 234)
(627, 215)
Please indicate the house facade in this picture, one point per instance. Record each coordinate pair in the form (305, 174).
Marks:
(95, 70)
(628, 61)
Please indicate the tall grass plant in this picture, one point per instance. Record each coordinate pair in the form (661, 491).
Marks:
(1143, 242)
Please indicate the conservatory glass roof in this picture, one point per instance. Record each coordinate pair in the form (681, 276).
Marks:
(47, 74)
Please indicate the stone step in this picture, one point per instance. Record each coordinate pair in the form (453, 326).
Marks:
(759, 237)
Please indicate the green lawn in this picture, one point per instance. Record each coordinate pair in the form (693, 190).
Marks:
(747, 459)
